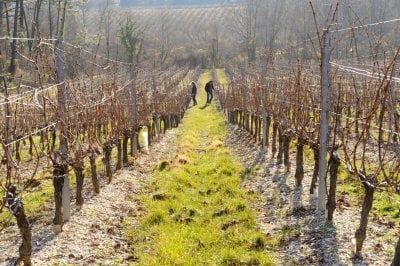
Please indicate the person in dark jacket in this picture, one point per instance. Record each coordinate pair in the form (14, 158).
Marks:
(194, 92)
(209, 89)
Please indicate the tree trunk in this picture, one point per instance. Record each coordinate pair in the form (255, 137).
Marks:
(35, 26)
(274, 133)
(366, 208)
(12, 68)
(93, 169)
(78, 169)
(316, 170)
(107, 150)
(119, 154)
(50, 20)
(333, 171)
(1, 20)
(396, 259)
(299, 175)
(280, 147)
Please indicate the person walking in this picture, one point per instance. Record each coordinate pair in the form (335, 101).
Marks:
(209, 89)
(194, 92)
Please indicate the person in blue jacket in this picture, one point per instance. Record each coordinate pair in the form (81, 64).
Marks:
(209, 89)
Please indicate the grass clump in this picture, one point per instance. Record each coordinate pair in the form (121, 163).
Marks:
(205, 220)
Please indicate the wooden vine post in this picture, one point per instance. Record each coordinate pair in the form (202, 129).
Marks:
(324, 126)
(134, 112)
(264, 103)
(61, 177)
(155, 102)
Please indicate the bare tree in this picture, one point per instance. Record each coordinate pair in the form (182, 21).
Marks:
(244, 23)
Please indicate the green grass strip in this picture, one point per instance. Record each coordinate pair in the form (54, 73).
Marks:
(197, 213)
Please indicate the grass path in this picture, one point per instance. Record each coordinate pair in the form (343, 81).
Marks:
(196, 211)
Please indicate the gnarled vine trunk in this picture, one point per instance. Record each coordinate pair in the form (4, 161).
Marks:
(17, 150)
(93, 170)
(250, 123)
(134, 143)
(315, 171)
(274, 133)
(53, 139)
(149, 136)
(59, 173)
(125, 160)
(16, 207)
(299, 174)
(78, 167)
(286, 149)
(256, 129)
(107, 150)
(268, 124)
(366, 208)
(334, 164)
(280, 148)
(119, 154)
(30, 146)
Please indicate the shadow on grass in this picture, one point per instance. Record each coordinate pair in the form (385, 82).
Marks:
(204, 106)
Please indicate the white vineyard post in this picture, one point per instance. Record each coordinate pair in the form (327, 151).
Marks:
(63, 127)
(324, 126)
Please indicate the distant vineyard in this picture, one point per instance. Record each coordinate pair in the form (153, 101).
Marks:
(176, 36)
(158, 3)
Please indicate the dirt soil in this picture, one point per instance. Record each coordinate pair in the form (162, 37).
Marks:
(291, 211)
(94, 234)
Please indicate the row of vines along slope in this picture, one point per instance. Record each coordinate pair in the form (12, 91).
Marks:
(80, 80)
